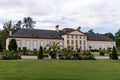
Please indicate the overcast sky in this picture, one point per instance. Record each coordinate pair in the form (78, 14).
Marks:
(100, 15)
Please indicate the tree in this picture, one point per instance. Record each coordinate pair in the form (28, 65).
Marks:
(12, 45)
(7, 27)
(53, 46)
(117, 38)
(114, 55)
(40, 54)
(110, 35)
(28, 22)
(91, 31)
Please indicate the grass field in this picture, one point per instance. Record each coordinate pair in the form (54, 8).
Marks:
(59, 70)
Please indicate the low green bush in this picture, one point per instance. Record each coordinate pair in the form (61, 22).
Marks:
(9, 55)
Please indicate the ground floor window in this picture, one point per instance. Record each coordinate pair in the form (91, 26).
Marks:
(34, 44)
(18, 43)
(27, 44)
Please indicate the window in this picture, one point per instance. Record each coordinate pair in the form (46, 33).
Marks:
(72, 41)
(72, 36)
(80, 37)
(42, 43)
(84, 37)
(68, 42)
(27, 44)
(34, 44)
(68, 36)
(76, 36)
(84, 43)
(84, 47)
(80, 42)
(76, 42)
(18, 43)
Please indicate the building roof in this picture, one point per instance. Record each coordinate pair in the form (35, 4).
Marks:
(98, 37)
(37, 33)
(52, 34)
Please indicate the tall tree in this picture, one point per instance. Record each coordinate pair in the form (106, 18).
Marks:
(7, 26)
(12, 45)
(117, 38)
(28, 22)
(110, 35)
(91, 31)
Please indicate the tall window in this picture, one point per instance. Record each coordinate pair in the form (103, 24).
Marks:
(80, 37)
(80, 42)
(27, 44)
(72, 36)
(68, 36)
(72, 42)
(84, 42)
(18, 43)
(42, 43)
(68, 42)
(34, 44)
(76, 36)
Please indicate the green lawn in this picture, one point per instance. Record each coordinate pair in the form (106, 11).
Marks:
(59, 70)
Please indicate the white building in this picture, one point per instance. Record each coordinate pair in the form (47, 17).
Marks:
(33, 38)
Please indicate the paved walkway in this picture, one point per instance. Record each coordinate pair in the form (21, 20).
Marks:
(35, 57)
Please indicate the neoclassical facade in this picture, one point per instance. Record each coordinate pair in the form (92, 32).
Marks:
(33, 38)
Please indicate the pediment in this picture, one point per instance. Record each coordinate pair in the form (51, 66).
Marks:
(76, 33)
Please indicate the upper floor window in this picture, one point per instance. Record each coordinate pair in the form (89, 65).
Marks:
(80, 42)
(72, 41)
(76, 36)
(68, 42)
(80, 37)
(84, 37)
(72, 36)
(68, 36)
(84, 42)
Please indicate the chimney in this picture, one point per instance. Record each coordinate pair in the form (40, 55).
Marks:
(57, 28)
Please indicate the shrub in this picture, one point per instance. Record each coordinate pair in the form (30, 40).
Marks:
(102, 52)
(12, 45)
(114, 55)
(24, 50)
(9, 55)
(1, 49)
(40, 54)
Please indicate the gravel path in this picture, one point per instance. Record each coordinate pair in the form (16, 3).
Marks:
(35, 57)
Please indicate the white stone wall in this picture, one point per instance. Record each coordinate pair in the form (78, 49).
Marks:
(23, 42)
(100, 44)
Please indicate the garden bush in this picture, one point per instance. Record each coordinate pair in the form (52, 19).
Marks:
(40, 54)
(9, 55)
(114, 54)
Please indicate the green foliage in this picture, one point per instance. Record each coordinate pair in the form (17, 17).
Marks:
(53, 47)
(9, 55)
(102, 52)
(91, 31)
(24, 50)
(110, 35)
(114, 54)
(117, 38)
(28, 22)
(77, 56)
(12, 45)
(40, 54)
(1, 49)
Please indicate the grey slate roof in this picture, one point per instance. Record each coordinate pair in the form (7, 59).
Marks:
(98, 37)
(37, 33)
(52, 34)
